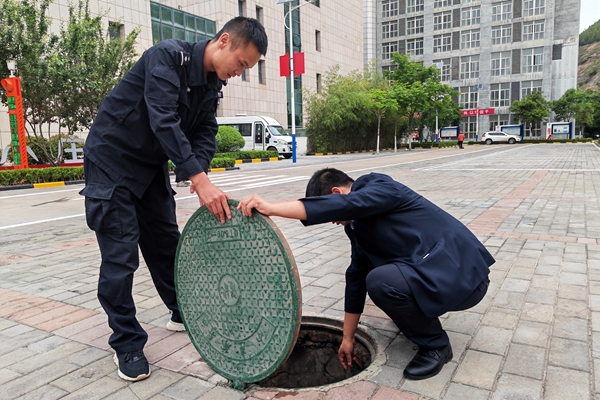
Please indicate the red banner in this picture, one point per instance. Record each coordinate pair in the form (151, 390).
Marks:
(284, 64)
(473, 112)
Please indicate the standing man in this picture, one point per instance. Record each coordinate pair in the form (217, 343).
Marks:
(414, 260)
(460, 139)
(164, 108)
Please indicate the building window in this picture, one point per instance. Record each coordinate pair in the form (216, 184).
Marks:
(116, 31)
(169, 23)
(444, 70)
(501, 11)
(442, 3)
(468, 126)
(414, 26)
(261, 72)
(387, 49)
(533, 130)
(318, 40)
(413, 6)
(442, 20)
(530, 86)
(242, 8)
(533, 7)
(501, 63)
(469, 67)
(468, 97)
(414, 47)
(532, 60)
(498, 120)
(319, 83)
(245, 75)
(442, 43)
(389, 8)
(533, 30)
(259, 14)
(470, 16)
(469, 39)
(389, 29)
(501, 34)
(500, 95)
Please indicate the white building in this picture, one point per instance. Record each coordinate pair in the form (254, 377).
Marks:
(329, 32)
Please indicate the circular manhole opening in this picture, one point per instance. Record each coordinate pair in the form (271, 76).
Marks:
(314, 359)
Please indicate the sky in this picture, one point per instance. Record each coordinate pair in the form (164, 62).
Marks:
(590, 13)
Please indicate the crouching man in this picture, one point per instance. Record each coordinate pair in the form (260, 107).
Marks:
(414, 260)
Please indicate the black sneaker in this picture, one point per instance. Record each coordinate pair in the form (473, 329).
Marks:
(133, 366)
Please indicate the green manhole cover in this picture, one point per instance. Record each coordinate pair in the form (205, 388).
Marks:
(239, 294)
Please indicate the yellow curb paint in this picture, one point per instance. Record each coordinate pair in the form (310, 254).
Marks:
(273, 158)
(318, 154)
(218, 169)
(48, 184)
(238, 161)
(256, 160)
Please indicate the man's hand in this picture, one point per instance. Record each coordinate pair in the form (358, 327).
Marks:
(346, 353)
(210, 196)
(257, 202)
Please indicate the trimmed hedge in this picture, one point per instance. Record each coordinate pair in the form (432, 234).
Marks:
(40, 175)
(12, 177)
(249, 154)
(229, 139)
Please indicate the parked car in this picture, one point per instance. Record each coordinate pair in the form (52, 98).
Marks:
(499, 137)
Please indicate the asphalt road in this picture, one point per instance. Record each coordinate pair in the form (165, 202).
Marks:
(59, 205)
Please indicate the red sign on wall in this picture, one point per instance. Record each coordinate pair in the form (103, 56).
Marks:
(473, 112)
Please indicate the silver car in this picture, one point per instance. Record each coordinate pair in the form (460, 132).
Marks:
(499, 137)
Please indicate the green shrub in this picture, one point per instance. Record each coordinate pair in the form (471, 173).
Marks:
(229, 139)
(249, 154)
(222, 163)
(40, 175)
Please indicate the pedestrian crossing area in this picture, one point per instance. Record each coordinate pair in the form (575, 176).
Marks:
(238, 182)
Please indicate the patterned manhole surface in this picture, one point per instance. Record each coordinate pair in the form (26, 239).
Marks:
(239, 294)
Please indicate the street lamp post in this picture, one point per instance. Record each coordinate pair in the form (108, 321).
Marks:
(292, 91)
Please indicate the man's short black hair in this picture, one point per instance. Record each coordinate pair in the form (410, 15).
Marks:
(325, 179)
(242, 31)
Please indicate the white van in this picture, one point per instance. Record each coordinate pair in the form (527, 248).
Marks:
(260, 133)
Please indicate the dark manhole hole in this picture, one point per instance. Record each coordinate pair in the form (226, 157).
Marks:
(314, 360)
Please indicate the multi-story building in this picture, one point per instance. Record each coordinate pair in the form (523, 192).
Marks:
(325, 31)
(492, 51)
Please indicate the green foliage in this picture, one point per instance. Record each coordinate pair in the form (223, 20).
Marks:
(249, 154)
(222, 163)
(532, 109)
(40, 175)
(229, 139)
(590, 35)
(64, 77)
(566, 107)
(417, 90)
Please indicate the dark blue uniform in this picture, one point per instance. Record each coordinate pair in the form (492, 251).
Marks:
(414, 259)
(164, 108)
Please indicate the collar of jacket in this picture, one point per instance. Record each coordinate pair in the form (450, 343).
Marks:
(196, 68)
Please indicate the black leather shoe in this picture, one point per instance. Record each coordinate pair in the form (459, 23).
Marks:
(427, 363)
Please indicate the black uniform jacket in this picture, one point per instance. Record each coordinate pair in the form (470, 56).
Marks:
(442, 261)
(164, 108)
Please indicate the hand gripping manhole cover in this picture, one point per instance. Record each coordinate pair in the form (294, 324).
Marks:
(239, 293)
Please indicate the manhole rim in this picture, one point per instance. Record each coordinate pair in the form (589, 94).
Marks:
(366, 335)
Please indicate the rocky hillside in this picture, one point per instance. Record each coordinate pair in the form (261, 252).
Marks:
(588, 74)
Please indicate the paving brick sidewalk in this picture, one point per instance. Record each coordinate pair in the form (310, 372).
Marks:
(535, 335)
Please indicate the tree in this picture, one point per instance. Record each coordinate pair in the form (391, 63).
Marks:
(64, 77)
(446, 110)
(413, 87)
(532, 109)
(566, 107)
(381, 102)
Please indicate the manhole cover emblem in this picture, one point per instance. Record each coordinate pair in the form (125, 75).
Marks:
(238, 290)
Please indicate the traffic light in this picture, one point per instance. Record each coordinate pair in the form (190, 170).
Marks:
(12, 86)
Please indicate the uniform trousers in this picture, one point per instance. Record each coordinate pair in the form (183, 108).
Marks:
(122, 222)
(390, 292)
